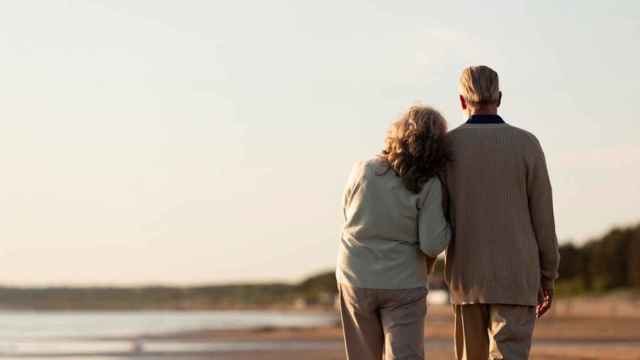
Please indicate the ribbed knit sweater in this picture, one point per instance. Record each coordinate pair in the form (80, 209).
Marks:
(504, 247)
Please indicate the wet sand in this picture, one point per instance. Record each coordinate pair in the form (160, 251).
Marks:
(574, 331)
(567, 335)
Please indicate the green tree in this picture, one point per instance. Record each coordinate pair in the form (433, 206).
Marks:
(571, 262)
(634, 259)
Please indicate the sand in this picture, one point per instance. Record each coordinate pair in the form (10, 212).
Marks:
(567, 335)
(575, 330)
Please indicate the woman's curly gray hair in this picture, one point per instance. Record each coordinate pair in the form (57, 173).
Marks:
(415, 146)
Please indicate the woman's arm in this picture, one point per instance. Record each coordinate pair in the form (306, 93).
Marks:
(434, 232)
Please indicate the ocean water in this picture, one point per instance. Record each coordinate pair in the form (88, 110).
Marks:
(75, 335)
(38, 325)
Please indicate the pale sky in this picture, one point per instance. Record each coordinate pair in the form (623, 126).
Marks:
(187, 142)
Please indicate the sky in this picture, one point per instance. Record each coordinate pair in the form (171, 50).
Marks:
(191, 142)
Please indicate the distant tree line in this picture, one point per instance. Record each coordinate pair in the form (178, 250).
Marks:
(318, 289)
(599, 265)
(608, 263)
(603, 264)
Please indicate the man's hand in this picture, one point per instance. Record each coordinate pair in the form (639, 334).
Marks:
(545, 298)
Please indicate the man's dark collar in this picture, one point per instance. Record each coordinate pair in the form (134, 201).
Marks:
(485, 119)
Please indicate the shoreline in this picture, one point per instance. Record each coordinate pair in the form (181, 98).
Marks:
(575, 330)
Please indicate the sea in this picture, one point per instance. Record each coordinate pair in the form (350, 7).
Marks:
(79, 335)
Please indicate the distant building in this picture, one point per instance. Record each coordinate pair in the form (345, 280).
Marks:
(438, 297)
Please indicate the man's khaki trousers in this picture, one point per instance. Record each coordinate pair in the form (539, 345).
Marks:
(379, 322)
(493, 331)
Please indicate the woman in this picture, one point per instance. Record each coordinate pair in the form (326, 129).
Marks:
(394, 225)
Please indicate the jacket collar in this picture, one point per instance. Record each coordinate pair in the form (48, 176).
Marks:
(485, 119)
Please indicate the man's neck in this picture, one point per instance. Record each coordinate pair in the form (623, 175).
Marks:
(483, 111)
(485, 118)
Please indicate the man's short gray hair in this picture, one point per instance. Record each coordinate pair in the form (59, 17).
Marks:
(479, 85)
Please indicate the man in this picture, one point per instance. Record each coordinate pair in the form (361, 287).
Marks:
(503, 260)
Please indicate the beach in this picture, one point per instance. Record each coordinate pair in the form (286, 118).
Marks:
(576, 329)
(582, 329)
(559, 336)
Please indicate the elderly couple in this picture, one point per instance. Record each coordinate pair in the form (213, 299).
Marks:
(482, 193)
